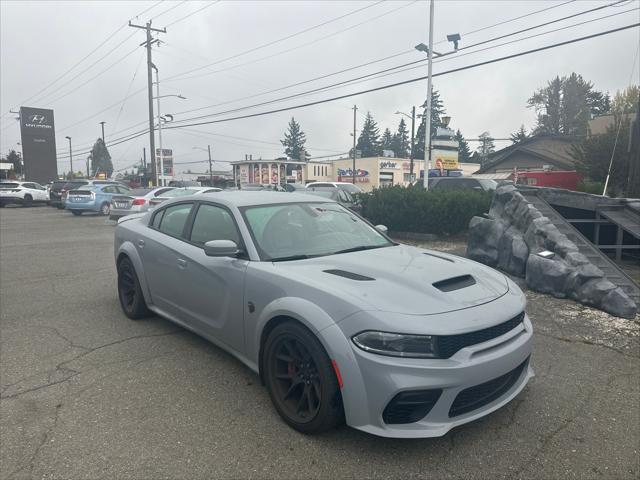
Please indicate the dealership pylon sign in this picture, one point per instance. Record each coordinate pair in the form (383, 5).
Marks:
(38, 135)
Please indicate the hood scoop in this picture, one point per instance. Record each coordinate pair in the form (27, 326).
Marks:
(455, 283)
(349, 275)
(438, 256)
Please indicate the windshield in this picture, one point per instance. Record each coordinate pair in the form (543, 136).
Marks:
(349, 187)
(303, 230)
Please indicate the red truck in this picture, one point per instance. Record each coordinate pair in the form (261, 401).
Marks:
(552, 178)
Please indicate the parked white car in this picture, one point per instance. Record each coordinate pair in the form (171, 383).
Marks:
(346, 186)
(22, 193)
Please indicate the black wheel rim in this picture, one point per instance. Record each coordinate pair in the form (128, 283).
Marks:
(127, 286)
(295, 379)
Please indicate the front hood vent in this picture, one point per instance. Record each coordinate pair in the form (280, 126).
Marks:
(455, 283)
(349, 275)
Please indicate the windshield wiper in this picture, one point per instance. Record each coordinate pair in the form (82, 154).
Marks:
(291, 257)
(359, 248)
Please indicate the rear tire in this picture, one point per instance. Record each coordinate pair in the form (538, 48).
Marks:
(76, 212)
(105, 208)
(300, 379)
(28, 201)
(130, 292)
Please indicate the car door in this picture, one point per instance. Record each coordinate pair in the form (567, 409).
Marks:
(212, 289)
(161, 253)
(37, 192)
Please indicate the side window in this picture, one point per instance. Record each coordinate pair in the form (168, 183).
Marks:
(28, 185)
(174, 219)
(213, 223)
(157, 218)
(109, 189)
(123, 189)
(161, 191)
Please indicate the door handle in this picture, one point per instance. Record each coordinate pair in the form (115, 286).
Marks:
(182, 263)
(141, 243)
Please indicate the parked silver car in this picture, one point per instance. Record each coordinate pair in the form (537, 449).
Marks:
(136, 202)
(340, 322)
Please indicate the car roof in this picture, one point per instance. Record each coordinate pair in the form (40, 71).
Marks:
(252, 198)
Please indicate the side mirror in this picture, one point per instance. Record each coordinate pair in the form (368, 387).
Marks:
(382, 228)
(221, 248)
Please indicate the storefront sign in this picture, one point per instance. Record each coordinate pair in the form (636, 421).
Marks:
(346, 174)
(389, 164)
(166, 155)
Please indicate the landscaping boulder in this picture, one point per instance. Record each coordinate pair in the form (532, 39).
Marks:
(547, 275)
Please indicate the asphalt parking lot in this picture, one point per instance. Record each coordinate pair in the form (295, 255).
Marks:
(88, 393)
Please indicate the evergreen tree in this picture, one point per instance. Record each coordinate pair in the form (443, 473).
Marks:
(520, 135)
(100, 159)
(464, 152)
(486, 146)
(386, 141)
(294, 140)
(565, 105)
(369, 139)
(401, 144)
(14, 158)
(437, 111)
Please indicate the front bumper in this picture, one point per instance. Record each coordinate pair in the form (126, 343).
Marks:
(372, 381)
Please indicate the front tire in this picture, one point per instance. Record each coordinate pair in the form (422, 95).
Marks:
(130, 292)
(28, 201)
(76, 212)
(300, 379)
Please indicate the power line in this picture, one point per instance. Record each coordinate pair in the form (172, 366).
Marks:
(384, 87)
(282, 39)
(413, 80)
(393, 70)
(210, 4)
(169, 9)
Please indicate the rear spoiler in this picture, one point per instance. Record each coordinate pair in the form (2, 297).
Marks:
(133, 216)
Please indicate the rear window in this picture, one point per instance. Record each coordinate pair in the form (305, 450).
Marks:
(139, 192)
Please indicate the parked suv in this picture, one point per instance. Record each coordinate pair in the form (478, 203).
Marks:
(22, 193)
(94, 198)
(59, 188)
(459, 183)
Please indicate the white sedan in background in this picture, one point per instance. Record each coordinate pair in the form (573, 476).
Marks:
(182, 192)
(22, 193)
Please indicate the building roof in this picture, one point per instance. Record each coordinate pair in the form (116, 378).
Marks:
(598, 125)
(553, 149)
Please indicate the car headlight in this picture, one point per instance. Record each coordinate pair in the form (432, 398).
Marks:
(396, 344)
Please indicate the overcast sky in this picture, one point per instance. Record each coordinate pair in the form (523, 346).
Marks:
(41, 41)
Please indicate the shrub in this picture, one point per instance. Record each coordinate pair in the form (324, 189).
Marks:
(591, 187)
(412, 209)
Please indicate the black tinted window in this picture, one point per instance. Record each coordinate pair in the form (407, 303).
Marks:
(174, 219)
(213, 223)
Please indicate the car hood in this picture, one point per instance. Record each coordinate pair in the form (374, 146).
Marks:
(402, 279)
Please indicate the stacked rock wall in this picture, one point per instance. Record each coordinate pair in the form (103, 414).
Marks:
(513, 235)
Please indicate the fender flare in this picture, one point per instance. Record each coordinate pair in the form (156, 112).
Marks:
(128, 249)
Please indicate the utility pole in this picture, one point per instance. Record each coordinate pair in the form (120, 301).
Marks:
(70, 156)
(355, 109)
(102, 124)
(148, 43)
(413, 126)
(427, 132)
(210, 167)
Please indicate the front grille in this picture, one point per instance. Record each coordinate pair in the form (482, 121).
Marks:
(448, 345)
(475, 397)
(411, 406)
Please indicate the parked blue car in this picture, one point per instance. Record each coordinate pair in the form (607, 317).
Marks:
(93, 198)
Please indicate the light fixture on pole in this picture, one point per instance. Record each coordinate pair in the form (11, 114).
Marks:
(166, 118)
(70, 155)
(421, 47)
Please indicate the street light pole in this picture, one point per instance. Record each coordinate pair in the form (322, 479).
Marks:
(355, 109)
(413, 126)
(210, 167)
(102, 124)
(161, 176)
(70, 155)
(427, 132)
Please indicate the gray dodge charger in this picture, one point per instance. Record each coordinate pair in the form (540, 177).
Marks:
(341, 323)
